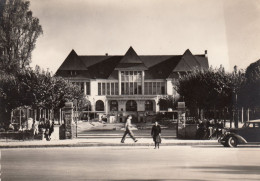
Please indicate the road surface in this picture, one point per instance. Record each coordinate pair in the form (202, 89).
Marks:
(186, 163)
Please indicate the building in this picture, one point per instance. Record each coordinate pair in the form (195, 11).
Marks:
(129, 84)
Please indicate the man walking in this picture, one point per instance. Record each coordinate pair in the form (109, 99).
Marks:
(128, 130)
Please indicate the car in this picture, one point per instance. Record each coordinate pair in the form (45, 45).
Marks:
(249, 133)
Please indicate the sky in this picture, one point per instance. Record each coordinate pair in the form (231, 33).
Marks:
(228, 29)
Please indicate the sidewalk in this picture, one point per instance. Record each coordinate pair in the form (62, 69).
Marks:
(97, 142)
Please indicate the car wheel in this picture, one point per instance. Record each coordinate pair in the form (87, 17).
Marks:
(232, 141)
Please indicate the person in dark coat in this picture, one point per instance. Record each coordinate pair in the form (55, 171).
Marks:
(219, 127)
(201, 130)
(156, 134)
(49, 129)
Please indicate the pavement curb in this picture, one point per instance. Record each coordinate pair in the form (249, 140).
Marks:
(107, 144)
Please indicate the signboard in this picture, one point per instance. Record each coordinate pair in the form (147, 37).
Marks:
(181, 105)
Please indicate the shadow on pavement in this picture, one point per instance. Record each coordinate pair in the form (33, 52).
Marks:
(230, 169)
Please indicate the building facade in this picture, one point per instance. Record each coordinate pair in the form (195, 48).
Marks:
(130, 84)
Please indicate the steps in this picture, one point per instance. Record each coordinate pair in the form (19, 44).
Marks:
(119, 136)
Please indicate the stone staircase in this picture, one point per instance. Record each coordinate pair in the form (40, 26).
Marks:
(107, 135)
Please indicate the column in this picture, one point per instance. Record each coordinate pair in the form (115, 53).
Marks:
(60, 117)
(242, 115)
(169, 87)
(248, 114)
(143, 82)
(85, 88)
(119, 82)
(106, 106)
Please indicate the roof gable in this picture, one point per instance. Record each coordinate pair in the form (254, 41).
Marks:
(131, 61)
(187, 63)
(72, 62)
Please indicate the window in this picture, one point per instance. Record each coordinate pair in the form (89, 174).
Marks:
(131, 105)
(99, 105)
(82, 86)
(163, 88)
(135, 88)
(108, 88)
(99, 89)
(113, 105)
(103, 88)
(158, 87)
(146, 88)
(112, 88)
(88, 88)
(150, 88)
(122, 88)
(154, 88)
(130, 82)
(149, 105)
(131, 88)
(127, 88)
(116, 89)
(139, 88)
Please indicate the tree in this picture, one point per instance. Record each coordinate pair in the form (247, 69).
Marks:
(10, 95)
(19, 31)
(210, 89)
(250, 92)
(167, 102)
(35, 88)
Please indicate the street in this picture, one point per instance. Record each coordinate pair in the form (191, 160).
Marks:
(132, 163)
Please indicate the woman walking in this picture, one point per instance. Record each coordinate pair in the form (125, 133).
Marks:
(156, 134)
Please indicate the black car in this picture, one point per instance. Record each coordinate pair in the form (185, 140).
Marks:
(249, 133)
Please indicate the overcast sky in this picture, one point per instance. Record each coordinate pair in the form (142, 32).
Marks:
(228, 29)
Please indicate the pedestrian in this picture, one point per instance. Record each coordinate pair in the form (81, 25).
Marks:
(219, 127)
(156, 134)
(128, 130)
(201, 130)
(49, 130)
(35, 127)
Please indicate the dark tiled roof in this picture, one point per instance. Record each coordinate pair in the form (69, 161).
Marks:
(73, 62)
(131, 61)
(162, 70)
(103, 69)
(155, 66)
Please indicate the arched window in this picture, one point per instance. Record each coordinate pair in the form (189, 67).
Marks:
(99, 105)
(87, 108)
(131, 106)
(113, 105)
(149, 105)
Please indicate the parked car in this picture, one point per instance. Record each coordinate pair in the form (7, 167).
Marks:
(249, 133)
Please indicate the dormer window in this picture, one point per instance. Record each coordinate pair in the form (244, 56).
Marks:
(73, 72)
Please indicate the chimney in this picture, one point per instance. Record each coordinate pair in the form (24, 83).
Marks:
(206, 53)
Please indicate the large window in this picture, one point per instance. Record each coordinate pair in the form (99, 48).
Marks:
(99, 105)
(131, 106)
(131, 82)
(81, 86)
(154, 88)
(108, 88)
